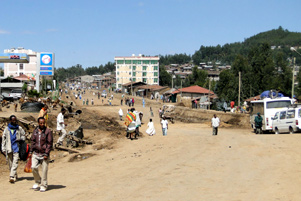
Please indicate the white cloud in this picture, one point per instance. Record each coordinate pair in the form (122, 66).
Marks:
(4, 31)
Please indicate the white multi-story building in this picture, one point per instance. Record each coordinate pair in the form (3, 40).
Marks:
(137, 69)
(16, 69)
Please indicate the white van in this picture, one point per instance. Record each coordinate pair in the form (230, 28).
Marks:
(267, 108)
(287, 121)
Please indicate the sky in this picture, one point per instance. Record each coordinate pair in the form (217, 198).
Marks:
(93, 32)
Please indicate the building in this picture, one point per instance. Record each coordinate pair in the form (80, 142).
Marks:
(137, 69)
(16, 69)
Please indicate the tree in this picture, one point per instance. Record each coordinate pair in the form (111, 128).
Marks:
(165, 77)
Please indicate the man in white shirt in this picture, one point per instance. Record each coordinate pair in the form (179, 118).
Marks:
(164, 125)
(61, 126)
(215, 124)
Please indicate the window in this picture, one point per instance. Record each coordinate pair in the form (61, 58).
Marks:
(278, 104)
(156, 80)
(145, 62)
(299, 113)
(119, 85)
(144, 67)
(144, 74)
(130, 67)
(117, 67)
(128, 61)
(276, 116)
(291, 114)
(138, 61)
(154, 62)
(282, 115)
(117, 73)
(120, 62)
(134, 79)
(134, 73)
(134, 67)
(144, 80)
(21, 66)
(117, 79)
(155, 73)
(129, 73)
(135, 62)
(155, 67)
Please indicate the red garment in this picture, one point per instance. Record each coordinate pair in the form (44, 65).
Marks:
(232, 104)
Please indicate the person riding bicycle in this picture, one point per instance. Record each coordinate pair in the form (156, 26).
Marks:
(258, 123)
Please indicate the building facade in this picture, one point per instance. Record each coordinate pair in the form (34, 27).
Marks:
(16, 69)
(137, 69)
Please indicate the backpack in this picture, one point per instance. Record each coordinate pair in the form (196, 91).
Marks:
(23, 150)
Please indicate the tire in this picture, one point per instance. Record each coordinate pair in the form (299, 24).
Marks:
(276, 131)
(32, 107)
(291, 130)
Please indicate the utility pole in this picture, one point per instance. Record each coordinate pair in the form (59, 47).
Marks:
(239, 77)
(293, 83)
(209, 93)
(181, 90)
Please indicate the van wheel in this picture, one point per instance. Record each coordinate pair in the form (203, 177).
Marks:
(276, 131)
(291, 130)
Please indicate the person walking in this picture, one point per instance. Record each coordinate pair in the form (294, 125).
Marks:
(164, 125)
(215, 124)
(61, 126)
(143, 102)
(43, 113)
(150, 128)
(120, 114)
(258, 123)
(151, 112)
(41, 145)
(11, 137)
(92, 101)
(84, 101)
(87, 101)
(121, 100)
(133, 101)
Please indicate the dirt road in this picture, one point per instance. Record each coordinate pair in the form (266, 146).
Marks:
(187, 164)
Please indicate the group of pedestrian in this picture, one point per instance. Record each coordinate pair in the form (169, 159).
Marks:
(41, 145)
(40, 148)
(130, 101)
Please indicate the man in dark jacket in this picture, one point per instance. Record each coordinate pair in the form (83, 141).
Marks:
(41, 145)
(258, 123)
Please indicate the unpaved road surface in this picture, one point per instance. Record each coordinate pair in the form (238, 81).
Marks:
(189, 164)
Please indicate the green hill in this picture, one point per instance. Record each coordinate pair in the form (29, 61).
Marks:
(228, 52)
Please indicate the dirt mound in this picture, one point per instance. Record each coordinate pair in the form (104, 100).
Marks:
(188, 115)
(90, 120)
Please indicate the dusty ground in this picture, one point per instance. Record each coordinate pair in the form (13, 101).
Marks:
(188, 164)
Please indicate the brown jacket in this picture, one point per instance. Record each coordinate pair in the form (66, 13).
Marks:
(41, 143)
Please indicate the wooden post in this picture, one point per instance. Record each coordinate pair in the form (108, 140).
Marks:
(239, 77)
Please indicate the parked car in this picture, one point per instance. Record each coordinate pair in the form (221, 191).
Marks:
(287, 121)
(16, 93)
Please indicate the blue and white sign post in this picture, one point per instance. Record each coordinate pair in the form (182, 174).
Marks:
(45, 66)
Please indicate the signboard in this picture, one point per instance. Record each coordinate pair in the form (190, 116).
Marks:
(46, 59)
(14, 58)
(45, 65)
(46, 73)
(45, 68)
